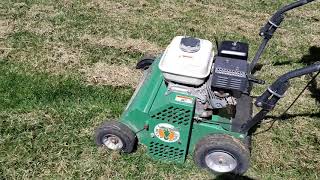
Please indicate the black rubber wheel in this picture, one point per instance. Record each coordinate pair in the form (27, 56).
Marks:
(115, 136)
(145, 62)
(222, 154)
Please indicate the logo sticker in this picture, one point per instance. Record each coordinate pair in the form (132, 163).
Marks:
(166, 132)
(184, 99)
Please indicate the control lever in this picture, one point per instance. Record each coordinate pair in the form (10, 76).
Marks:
(255, 80)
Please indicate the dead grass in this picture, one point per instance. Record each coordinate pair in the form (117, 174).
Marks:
(129, 44)
(61, 58)
(111, 8)
(54, 58)
(38, 16)
(115, 75)
(6, 27)
(211, 18)
(38, 10)
(40, 28)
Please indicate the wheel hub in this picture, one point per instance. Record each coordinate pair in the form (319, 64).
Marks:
(112, 142)
(221, 161)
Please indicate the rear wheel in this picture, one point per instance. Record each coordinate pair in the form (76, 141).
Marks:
(116, 136)
(222, 154)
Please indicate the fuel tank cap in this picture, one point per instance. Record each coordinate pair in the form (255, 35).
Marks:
(190, 44)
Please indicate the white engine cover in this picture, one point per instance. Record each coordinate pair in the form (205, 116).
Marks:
(187, 67)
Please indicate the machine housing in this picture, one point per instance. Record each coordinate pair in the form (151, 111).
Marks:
(171, 115)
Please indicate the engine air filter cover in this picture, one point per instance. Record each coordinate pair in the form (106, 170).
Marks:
(230, 74)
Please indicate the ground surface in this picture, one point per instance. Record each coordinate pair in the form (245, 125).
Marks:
(68, 65)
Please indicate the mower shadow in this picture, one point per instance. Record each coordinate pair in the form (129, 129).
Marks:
(257, 68)
(309, 59)
(282, 118)
(230, 176)
(312, 57)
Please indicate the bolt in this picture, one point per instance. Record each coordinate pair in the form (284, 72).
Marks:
(259, 104)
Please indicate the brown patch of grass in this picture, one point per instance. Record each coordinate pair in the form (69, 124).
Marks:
(109, 7)
(218, 9)
(39, 10)
(37, 17)
(6, 26)
(305, 12)
(106, 74)
(63, 57)
(135, 45)
(55, 58)
(314, 40)
(217, 19)
(40, 28)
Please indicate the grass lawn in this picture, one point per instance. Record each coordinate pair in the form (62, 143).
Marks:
(66, 66)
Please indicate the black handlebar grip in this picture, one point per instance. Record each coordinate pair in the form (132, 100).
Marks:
(309, 1)
(263, 98)
(302, 2)
(265, 29)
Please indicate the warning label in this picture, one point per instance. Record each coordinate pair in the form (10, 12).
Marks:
(184, 99)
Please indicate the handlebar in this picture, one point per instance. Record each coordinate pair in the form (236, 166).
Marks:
(268, 100)
(272, 25)
(278, 17)
(278, 87)
(293, 5)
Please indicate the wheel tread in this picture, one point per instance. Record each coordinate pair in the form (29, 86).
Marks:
(226, 143)
(119, 129)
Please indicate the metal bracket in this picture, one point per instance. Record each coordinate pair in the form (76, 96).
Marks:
(274, 93)
(273, 24)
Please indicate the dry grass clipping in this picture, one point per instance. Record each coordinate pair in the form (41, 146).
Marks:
(115, 75)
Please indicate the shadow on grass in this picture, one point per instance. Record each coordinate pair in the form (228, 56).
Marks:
(21, 90)
(309, 59)
(257, 68)
(312, 57)
(230, 176)
(285, 117)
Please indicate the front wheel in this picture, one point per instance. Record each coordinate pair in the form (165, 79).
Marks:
(116, 136)
(222, 154)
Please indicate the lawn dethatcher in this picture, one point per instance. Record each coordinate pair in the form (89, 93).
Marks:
(192, 101)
